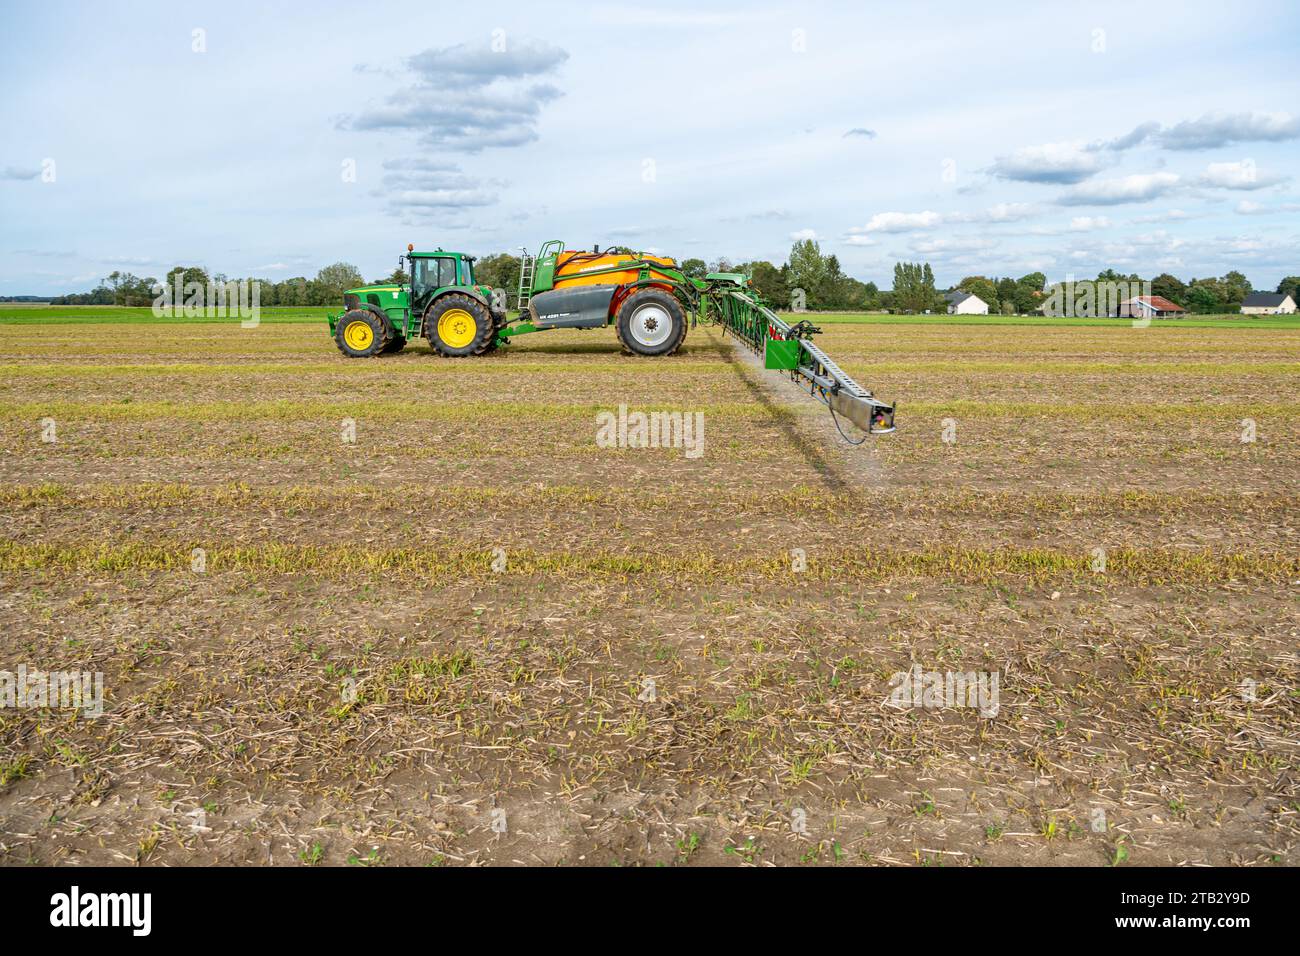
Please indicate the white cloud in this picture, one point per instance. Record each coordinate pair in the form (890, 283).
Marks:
(1171, 215)
(1248, 207)
(467, 98)
(1238, 175)
(900, 222)
(1221, 129)
(129, 260)
(1139, 134)
(441, 198)
(1140, 187)
(1060, 163)
(1244, 246)
(1211, 131)
(464, 66)
(949, 246)
(1089, 223)
(419, 185)
(1010, 212)
(803, 234)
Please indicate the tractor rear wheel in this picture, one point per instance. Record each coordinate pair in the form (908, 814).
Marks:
(457, 325)
(651, 322)
(361, 334)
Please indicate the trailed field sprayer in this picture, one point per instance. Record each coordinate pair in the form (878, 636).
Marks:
(647, 299)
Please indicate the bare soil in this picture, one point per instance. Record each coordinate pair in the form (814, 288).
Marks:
(472, 636)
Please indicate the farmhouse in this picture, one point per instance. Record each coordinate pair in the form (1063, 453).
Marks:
(963, 303)
(1149, 307)
(1267, 303)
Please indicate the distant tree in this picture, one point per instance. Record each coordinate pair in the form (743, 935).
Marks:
(100, 295)
(1110, 275)
(292, 291)
(334, 280)
(498, 271)
(1169, 287)
(1028, 293)
(130, 290)
(695, 268)
(1235, 288)
(914, 287)
(1205, 296)
(1027, 296)
(319, 293)
(870, 296)
(769, 282)
(188, 275)
(1007, 295)
(808, 270)
(982, 287)
(837, 289)
(933, 299)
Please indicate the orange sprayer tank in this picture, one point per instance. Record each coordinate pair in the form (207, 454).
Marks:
(571, 267)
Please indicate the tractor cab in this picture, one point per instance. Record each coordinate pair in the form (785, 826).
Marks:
(435, 272)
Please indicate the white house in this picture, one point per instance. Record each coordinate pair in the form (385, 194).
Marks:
(963, 303)
(1267, 303)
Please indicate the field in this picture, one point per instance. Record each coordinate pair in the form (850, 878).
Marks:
(473, 636)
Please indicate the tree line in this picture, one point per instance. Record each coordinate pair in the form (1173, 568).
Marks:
(808, 278)
(327, 288)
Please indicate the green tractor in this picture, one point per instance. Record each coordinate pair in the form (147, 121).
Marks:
(441, 303)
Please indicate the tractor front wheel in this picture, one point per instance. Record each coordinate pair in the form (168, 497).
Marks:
(458, 325)
(361, 334)
(651, 322)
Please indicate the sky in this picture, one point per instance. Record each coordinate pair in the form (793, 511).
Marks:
(992, 139)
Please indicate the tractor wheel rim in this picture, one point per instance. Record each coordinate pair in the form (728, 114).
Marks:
(457, 328)
(358, 335)
(651, 325)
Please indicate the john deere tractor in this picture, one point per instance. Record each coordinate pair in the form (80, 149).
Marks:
(441, 303)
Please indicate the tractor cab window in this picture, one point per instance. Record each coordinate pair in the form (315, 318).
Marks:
(434, 273)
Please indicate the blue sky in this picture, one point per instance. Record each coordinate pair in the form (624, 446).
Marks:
(984, 138)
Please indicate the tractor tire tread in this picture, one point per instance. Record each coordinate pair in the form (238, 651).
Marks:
(383, 339)
(475, 308)
(680, 314)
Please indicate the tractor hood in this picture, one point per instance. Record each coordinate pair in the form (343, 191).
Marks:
(385, 296)
(387, 288)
